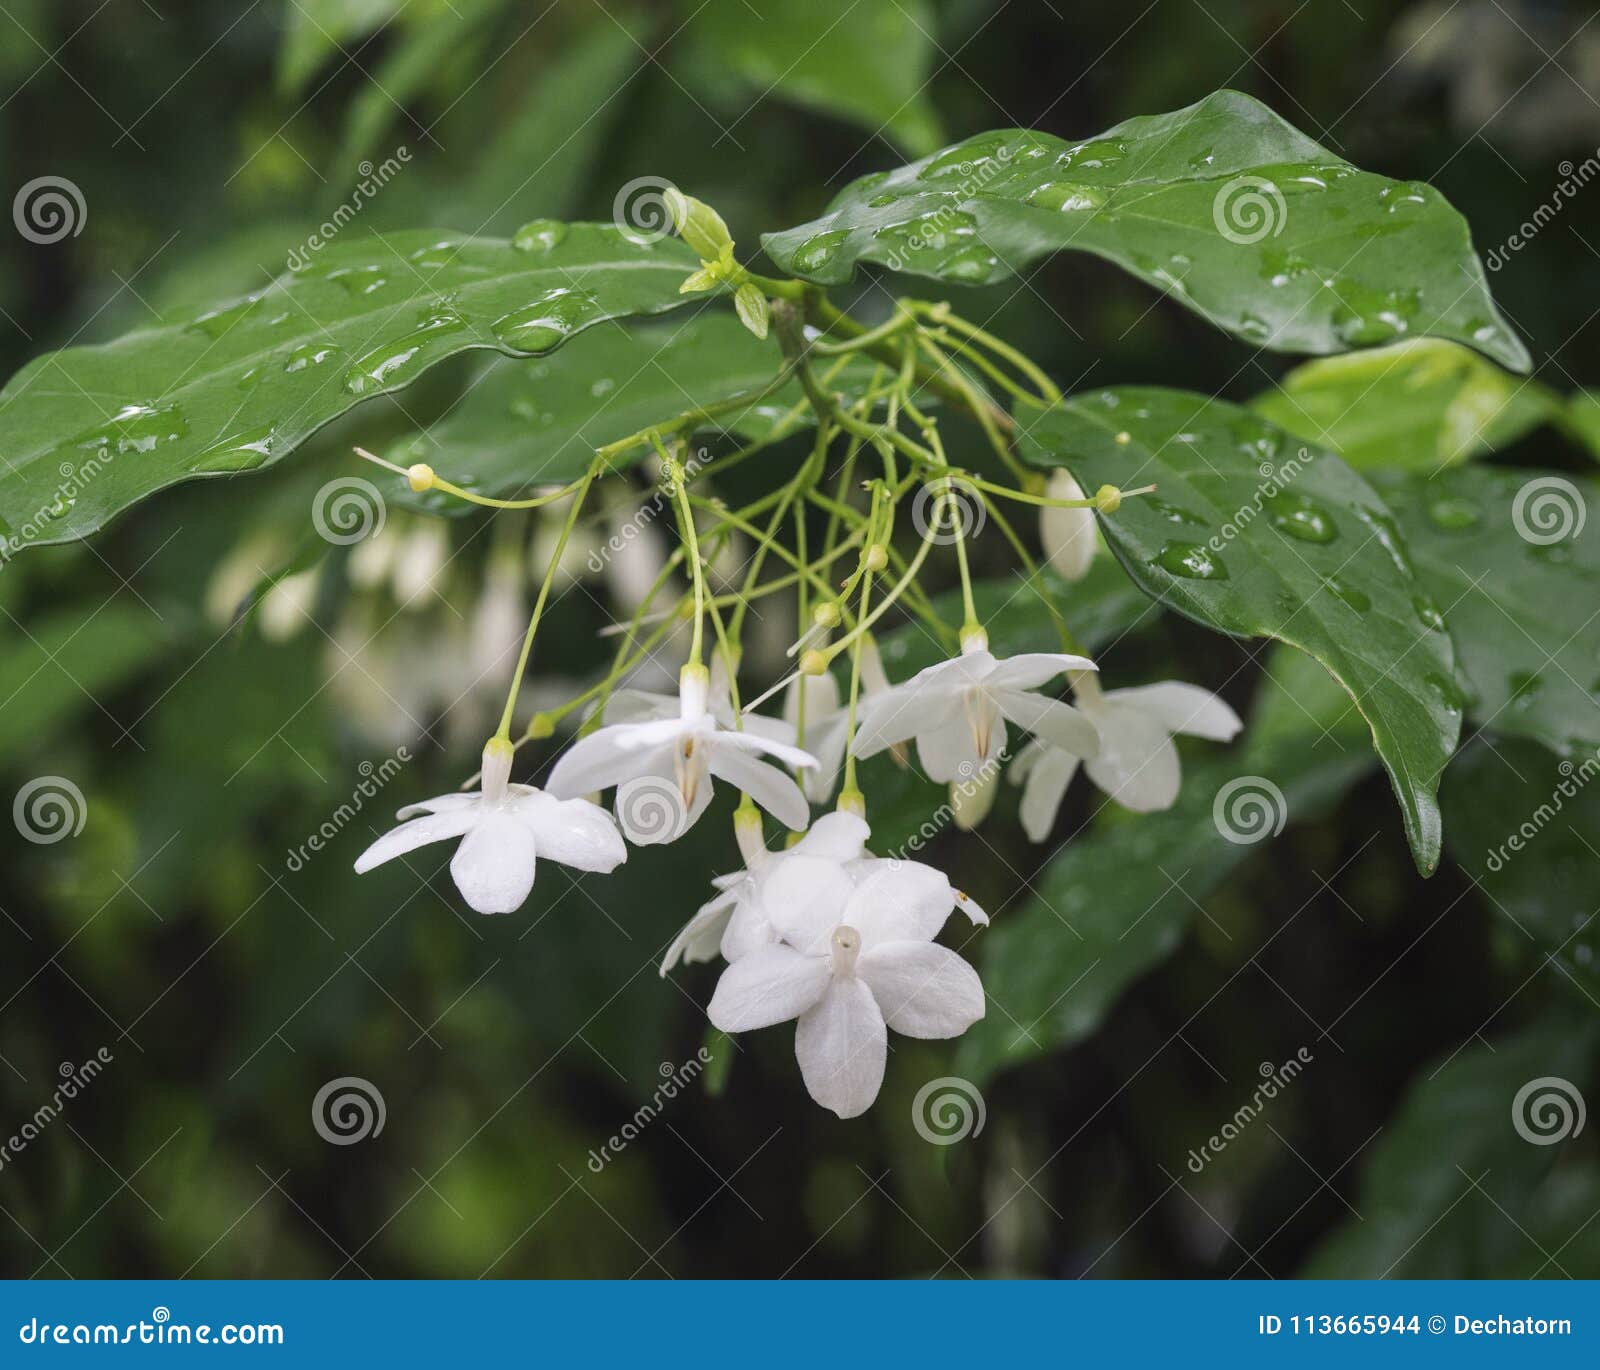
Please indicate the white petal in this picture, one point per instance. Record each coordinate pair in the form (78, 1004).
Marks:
(766, 785)
(572, 831)
(441, 804)
(599, 761)
(493, 866)
(1052, 719)
(951, 752)
(640, 706)
(748, 741)
(700, 938)
(1068, 535)
(923, 990)
(1047, 777)
(767, 987)
(1137, 765)
(841, 1045)
(1033, 669)
(974, 911)
(1182, 708)
(650, 807)
(821, 696)
(837, 836)
(900, 901)
(804, 897)
(749, 929)
(417, 833)
(906, 710)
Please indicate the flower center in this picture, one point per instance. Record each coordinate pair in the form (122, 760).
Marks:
(844, 947)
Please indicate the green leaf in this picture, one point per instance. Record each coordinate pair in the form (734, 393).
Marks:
(1252, 537)
(537, 422)
(1583, 419)
(1223, 205)
(1421, 405)
(1120, 898)
(1520, 600)
(90, 430)
(1443, 1187)
(864, 60)
(316, 29)
(1523, 826)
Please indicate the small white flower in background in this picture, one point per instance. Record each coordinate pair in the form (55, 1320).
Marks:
(286, 606)
(503, 828)
(688, 750)
(958, 710)
(581, 556)
(828, 718)
(856, 957)
(419, 562)
(1069, 536)
(634, 555)
(498, 620)
(1137, 764)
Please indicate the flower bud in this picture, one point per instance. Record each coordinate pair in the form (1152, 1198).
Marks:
(698, 224)
(813, 662)
(420, 477)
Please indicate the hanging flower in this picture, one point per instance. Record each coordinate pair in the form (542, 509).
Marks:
(1069, 536)
(958, 710)
(672, 761)
(1137, 764)
(503, 828)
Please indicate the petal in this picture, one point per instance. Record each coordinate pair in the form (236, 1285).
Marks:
(951, 752)
(572, 831)
(1137, 765)
(751, 741)
(900, 901)
(905, 710)
(700, 938)
(804, 897)
(974, 911)
(841, 1045)
(418, 832)
(749, 929)
(600, 761)
(1030, 670)
(441, 804)
(923, 990)
(1182, 708)
(1047, 779)
(766, 785)
(1052, 719)
(628, 705)
(493, 866)
(767, 987)
(650, 808)
(837, 836)
(821, 696)
(1068, 535)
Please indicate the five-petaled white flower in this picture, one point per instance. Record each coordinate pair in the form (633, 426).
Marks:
(1137, 765)
(857, 957)
(503, 828)
(686, 750)
(1069, 536)
(958, 710)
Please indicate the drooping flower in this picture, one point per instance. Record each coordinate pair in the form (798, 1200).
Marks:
(504, 828)
(669, 764)
(958, 711)
(857, 957)
(1137, 764)
(827, 718)
(1069, 536)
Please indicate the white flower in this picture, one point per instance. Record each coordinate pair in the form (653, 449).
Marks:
(503, 828)
(1137, 764)
(734, 922)
(686, 750)
(958, 709)
(828, 718)
(857, 957)
(1068, 535)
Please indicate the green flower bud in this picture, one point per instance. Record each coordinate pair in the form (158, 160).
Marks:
(751, 304)
(698, 225)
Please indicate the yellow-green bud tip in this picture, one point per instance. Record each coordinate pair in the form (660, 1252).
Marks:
(1108, 499)
(498, 749)
(877, 557)
(1124, 438)
(813, 663)
(853, 801)
(826, 614)
(420, 477)
(541, 726)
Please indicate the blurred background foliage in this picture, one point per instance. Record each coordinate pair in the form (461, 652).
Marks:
(230, 972)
